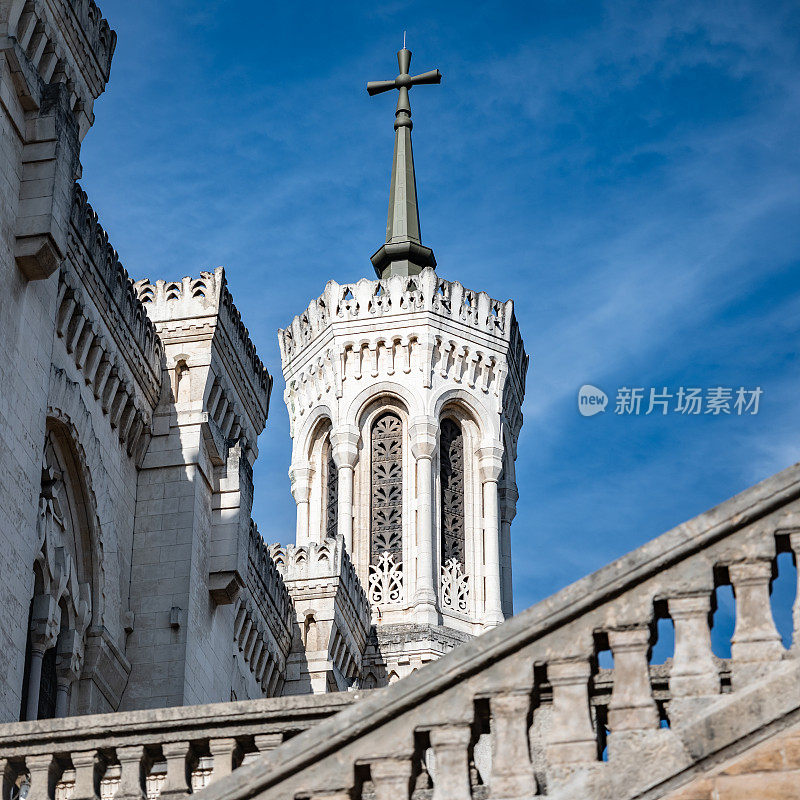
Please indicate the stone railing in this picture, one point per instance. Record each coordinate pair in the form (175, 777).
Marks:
(138, 754)
(369, 299)
(524, 709)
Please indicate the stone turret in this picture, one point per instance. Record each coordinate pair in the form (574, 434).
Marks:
(404, 397)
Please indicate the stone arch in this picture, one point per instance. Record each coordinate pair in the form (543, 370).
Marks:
(67, 411)
(459, 582)
(483, 418)
(391, 390)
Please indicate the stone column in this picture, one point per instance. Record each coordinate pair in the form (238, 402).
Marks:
(45, 622)
(632, 707)
(301, 486)
(177, 782)
(693, 672)
(572, 738)
(512, 770)
(391, 778)
(423, 432)
(755, 638)
(69, 661)
(450, 745)
(344, 441)
(508, 510)
(490, 463)
(130, 780)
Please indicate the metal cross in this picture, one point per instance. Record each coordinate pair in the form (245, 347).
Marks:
(403, 82)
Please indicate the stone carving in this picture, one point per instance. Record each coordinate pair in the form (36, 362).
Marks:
(452, 483)
(106, 371)
(331, 492)
(387, 488)
(385, 581)
(549, 709)
(455, 586)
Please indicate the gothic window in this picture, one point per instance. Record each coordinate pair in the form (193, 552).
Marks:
(48, 685)
(386, 510)
(331, 492)
(387, 488)
(455, 585)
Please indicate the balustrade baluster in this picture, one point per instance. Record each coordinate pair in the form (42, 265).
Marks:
(264, 742)
(41, 776)
(755, 638)
(512, 770)
(177, 782)
(632, 706)
(131, 782)
(85, 763)
(222, 751)
(391, 778)
(572, 738)
(450, 745)
(693, 672)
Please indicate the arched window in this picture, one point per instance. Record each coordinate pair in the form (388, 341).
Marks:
(455, 585)
(331, 492)
(386, 510)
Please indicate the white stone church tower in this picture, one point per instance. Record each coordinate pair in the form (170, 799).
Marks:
(404, 397)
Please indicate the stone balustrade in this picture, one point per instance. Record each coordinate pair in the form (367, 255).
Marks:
(525, 709)
(155, 753)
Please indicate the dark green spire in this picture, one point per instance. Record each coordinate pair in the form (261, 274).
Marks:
(403, 253)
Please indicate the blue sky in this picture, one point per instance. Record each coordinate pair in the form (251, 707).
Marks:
(627, 172)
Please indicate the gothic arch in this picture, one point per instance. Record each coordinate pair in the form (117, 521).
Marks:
(67, 412)
(460, 577)
(307, 431)
(459, 398)
(380, 391)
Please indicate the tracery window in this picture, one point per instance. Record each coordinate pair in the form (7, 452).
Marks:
(386, 510)
(331, 492)
(455, 583)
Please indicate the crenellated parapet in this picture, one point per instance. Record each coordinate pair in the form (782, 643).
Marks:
(332, 616)
(196, 317)
(97, 268)
(63, 41)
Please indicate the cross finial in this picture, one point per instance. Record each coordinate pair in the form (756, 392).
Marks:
(403, 253)
(403, 82)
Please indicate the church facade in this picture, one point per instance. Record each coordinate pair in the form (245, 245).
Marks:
(131, 573)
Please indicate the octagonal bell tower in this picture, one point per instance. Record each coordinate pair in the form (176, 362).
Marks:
(404, 397)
